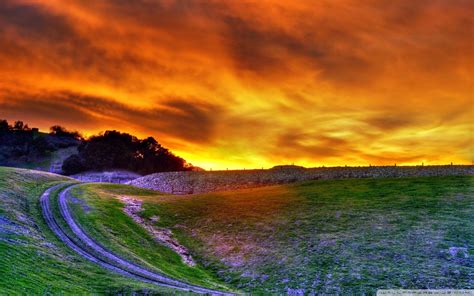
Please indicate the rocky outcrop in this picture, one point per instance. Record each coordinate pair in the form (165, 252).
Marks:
(202, 182)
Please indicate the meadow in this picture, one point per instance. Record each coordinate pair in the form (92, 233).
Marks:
(334, 236)
(101, 216)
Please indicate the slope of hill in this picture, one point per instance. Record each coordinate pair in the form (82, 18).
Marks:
(327, 236)
(32, 260)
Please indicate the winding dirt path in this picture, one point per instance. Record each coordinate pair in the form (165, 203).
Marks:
(85, 246)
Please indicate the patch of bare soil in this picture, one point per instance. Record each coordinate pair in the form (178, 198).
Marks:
(164, 236)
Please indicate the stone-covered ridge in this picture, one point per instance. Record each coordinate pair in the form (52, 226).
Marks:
(116, 176)
(202, 182)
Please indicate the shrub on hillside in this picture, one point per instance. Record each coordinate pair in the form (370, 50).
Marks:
(73, 165)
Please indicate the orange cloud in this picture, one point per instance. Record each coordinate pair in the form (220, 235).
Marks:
(249, 83)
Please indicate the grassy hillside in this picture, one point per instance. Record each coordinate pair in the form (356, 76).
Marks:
(101, 215)
(337, 236)
(32, 260)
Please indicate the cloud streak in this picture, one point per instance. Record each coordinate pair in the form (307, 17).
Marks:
(177, 118)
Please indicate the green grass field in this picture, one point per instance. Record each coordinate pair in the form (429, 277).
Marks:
(333, 237)
(101, 215)
(327, 237)
(32, 260)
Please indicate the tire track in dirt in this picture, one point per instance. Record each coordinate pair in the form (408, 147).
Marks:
(99, 255)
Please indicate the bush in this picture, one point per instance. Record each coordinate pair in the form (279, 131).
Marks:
(73, 165)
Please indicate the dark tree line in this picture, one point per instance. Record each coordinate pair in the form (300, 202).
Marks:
(116, 150)
(20, 143)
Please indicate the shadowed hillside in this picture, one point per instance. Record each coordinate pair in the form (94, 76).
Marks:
(22, 146)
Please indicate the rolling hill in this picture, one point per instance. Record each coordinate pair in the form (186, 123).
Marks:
(34, 261)
(327, 236)
(348, 236)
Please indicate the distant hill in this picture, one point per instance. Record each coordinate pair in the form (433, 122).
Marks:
(288, 167)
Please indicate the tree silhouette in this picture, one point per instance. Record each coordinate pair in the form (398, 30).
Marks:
(57, 130)
(116, 150)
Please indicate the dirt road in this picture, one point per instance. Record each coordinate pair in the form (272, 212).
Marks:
(86, 247)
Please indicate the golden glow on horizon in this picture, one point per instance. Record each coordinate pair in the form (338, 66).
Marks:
(249, 84)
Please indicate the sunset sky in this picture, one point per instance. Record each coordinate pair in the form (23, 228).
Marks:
(249, 84)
